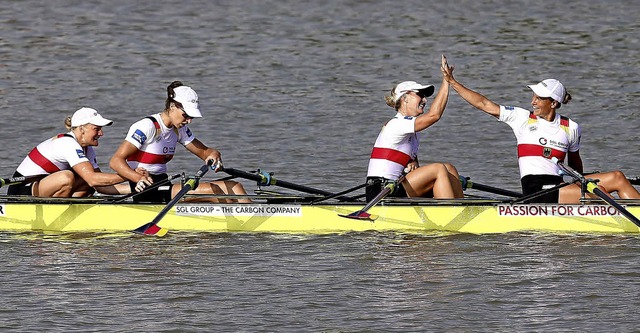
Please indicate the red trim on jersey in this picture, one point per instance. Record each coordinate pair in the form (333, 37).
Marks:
(537, 150)
(564, 121)
(149, 158)
(391, 155)
(42, 161)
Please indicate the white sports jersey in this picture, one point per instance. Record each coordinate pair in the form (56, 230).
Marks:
(156, 143)
(61, 152)
(396, 146)
(540, 140)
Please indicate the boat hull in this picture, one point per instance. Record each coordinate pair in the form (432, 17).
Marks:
(303, 218)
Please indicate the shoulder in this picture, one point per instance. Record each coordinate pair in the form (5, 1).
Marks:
(569, 123)
(62, 140)
(508, 112)
(148, 122)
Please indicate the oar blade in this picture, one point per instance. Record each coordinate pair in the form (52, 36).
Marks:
(151, 229)
(360, 215)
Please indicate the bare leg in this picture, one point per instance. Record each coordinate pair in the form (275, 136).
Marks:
(58, 184)
(616, 181)
(217, 187)
(613, 181)
(454, 178)
(432, 177)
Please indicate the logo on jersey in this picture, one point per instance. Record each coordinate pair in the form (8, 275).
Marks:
(546, 152)
(188, 132)
(139, 136)
(542, 141)
(408, 117)
(510, 108)
(80, 153)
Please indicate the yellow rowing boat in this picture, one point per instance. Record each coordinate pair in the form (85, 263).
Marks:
(477, 216)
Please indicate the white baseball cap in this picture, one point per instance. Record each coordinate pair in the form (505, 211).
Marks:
(88, 116)
(550, 88)
(189, 100)
(414, 86)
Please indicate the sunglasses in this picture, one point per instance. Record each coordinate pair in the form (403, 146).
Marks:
(419, 94)
(185, 115)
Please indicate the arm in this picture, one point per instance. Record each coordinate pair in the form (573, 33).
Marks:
(205, 153)
(118, 163)
(437, 106)
(436, 110)
(95, 177)
(575, 161)
(474, 98)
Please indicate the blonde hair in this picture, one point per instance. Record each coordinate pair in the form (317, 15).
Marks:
(391, 99)
(67, 123)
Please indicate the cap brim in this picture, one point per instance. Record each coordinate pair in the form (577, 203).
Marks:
(101, 122)
(427, 91)
(193, 112)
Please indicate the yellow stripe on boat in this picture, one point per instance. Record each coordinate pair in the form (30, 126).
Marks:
(452, 215)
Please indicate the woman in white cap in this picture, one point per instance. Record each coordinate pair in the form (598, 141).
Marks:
(542, 134)
(68, 161)
(151, 143)
(395, 151)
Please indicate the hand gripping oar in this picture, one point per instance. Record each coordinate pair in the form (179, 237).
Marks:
(265, 179)
(20, 180)
(152, 227)
(146, 189)
(592, 187)
(466, 184)
(386, 190)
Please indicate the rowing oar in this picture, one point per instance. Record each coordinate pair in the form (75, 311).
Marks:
(467, 184)
(146, 189)
(152, 227)
(265, 179)
(20, 180)
(339, 193)
(362, 213)
(592, 187)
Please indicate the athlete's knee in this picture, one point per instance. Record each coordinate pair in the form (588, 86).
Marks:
(451, 168)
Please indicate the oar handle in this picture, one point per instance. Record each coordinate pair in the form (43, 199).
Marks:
(20, 180)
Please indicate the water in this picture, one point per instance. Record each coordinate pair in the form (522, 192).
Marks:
(297, 89)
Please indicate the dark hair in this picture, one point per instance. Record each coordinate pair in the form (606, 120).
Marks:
(171, 94)
(567, 98)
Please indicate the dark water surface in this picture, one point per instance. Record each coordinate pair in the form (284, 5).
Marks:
(297, 89)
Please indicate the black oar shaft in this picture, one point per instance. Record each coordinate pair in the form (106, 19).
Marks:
(592, 187)
(616, 205)
(386, 190)
(261, 179)
(188, 186)
(494, 190)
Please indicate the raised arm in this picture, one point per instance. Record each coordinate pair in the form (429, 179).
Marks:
(476, 99)
(436, 110)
